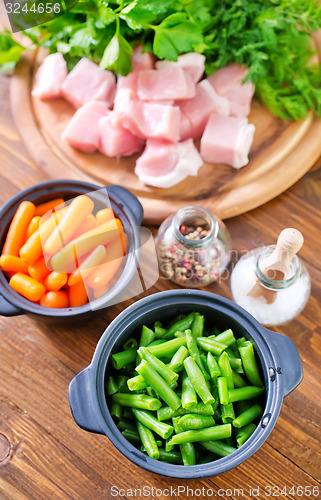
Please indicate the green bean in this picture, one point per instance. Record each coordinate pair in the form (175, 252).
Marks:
(178, 359)
(187, 449)
(168, 447)
(146, 337)
(157, 323)
(208, 434)
(214, 392)
(170, 457)
(125, 424)
(132, 436)
(189, 396)
(248, 392)
(248, 416)
(175, 320)
(211, 345)
(148, 419)
(182, 325)
(225, 367)
(111, 386)
(151, 392)
(121, 382)
(123, 358)
(238, 380)
(179, 333)
(192, 421)
(148, 440)
(156, 342)
(159, 385)
(158, 365)
(160, 332)
(137, 401)
(223, 390)
(137, 383)
(197, 327)
(127, 413)
(219, 448)
(165, 413)
(242, 406)
(194, 352)
(167, 348)
(236, 364)
(213, 367)
(198, 381)
(228, 414)
(116, 410)
(130, 344)
(226, 337)
(250, 366)
(244, 434)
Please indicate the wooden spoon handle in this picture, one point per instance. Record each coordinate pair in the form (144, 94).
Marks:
(289, 243)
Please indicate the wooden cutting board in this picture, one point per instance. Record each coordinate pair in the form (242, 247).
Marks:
(281, 154)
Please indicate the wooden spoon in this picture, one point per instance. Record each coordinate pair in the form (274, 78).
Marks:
(277, 266)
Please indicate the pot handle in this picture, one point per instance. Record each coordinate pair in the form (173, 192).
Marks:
(8, 309)
(83, 408)
(291, 361)
(129, 200)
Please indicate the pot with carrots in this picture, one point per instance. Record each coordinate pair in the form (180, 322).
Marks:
(67, 249)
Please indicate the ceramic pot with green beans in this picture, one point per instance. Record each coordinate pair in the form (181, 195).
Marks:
(186, 384)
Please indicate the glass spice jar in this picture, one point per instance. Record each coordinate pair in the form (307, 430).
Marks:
(282, 300)
(193, 247)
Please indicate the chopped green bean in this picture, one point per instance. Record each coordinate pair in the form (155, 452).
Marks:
(248, 416)
(156, 342)
(223, 390)
(244, 434)
(187, 449)
(147, 336)
(198, 381)
(167, 348)
(124, 424)
(192, 421)
(111, 386)
(169, 375)
(219, 448)
(250, 366)
(137, 401)
(226, 337)
(181, 325)
(248, 392)
(121, 382)
(178, 359)
(170, 457)
(165, 413)
(168, 447)
(228, 414)
(211, 345)
(225, 367)
(197, 327)
(194, 352)
(208, 434)
(130, 344)
(137, 383)
(213, 367)
(116, 410)
(189, 396)
(159, 385)
(148, 419)
(132, 436)
(148, 440)
(236, 364)
(123, 358)
(160, 332)
(238, 380)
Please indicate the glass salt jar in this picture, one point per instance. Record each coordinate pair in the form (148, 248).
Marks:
(193, 247)
(281, 300)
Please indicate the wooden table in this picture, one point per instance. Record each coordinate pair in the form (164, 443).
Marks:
(45, 456)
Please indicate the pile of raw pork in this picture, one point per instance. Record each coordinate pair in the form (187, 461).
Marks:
(161, 107)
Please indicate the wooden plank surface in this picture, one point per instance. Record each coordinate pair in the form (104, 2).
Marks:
(45, 456)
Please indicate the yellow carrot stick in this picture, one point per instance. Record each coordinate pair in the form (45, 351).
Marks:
(95, 258)
(104, 215)
(104, 273)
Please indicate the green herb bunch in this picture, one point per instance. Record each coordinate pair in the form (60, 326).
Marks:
(271, 37)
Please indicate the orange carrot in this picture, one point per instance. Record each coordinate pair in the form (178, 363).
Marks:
(99, 292)
(94, 259)
(27, 287)
(49, 205)
(75, 214)
(10, 263)
(39, 270)
(65, 261)
(78, 295)
(103, 273)
(104, 215)
(32, 249)
(54, 281)
(33, 226)
(56, 300)
(18, 228)
(89, 223)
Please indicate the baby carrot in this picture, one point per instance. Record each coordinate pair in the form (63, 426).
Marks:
(33, 226)
(56, 300)
(78, 294)
(49, 205)
(66, 259)
(93, 259)
(75, 214)
(104, 215)
(103, 273)
(99, 292)
(27, 287)
(32, 249)
(55, 281)
(18, 228)
(11, 263)
(88, 224)
(39, 270)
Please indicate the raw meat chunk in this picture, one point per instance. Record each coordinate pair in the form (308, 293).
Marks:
(87, 82)
(115, 140)
(198, 109)
(166, 84)
(82, 132)
(227, 139)
(192, 62)
(228, 83)
(164, 164)
(50, 75)
(142, 60)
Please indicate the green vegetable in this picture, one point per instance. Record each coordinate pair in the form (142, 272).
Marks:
(207, 434)
(191, 421)
(148, 419)
(148, 440)
(137, 401)
(187, 449)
